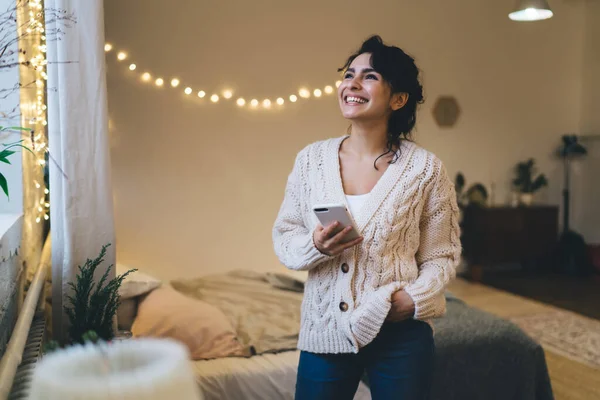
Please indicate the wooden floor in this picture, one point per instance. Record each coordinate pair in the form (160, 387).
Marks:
(578, 294)
(570, 380)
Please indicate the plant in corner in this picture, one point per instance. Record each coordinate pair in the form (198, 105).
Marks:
(475, 195)
(92, 306)
(525, 184)
(8, 151)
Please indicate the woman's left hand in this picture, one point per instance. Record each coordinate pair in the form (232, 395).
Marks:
(403, 307)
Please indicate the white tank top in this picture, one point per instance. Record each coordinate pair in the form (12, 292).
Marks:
(355, 202)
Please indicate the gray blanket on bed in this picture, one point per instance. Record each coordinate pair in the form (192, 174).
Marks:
(478, 355)
(481, 356)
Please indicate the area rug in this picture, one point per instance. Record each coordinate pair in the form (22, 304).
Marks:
(565, 333)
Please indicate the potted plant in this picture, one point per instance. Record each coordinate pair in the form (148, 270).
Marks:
(8, 150)
(92, 306)
(525, 184)
(476, 195)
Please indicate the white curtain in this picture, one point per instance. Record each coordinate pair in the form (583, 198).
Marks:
(81, 205)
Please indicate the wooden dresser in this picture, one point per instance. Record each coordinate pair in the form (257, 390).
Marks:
(493, 235)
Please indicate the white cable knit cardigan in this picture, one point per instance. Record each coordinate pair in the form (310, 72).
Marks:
(411, 241)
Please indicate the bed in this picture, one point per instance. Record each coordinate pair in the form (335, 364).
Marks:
(478, 355)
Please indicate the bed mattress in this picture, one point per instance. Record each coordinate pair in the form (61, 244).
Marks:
(263, 377)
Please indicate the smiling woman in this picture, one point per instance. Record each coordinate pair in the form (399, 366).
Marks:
(388, 79)
(369, 302)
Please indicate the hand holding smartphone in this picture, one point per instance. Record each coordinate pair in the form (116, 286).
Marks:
(337, 231)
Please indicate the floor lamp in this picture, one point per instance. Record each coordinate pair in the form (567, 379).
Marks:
(573, 257)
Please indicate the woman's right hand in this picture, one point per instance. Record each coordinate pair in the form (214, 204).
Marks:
(333, 244)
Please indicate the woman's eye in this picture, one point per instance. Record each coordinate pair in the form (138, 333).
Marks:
(348, 75)
(372, 76)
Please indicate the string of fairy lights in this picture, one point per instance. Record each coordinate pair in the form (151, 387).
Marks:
(251, 102)
(38, 122)
(39, 145)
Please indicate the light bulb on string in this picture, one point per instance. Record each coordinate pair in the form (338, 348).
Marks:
(146, 76)
(132, 67)
(121, 56)
(108, 47)
(201, 94)
(214, 98)
(174, 82)
(159, 82)
(267, 103)
(293, 98)
(304, 93)
(328, 89)
(317, 93)
(254, 103)
(188, 90)
(280, 101)
(338, 83)
(241, 102)
(227, 94)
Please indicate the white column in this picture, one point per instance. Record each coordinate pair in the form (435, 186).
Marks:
(81, 203)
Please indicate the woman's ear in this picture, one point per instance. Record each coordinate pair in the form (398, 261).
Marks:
(398, 100)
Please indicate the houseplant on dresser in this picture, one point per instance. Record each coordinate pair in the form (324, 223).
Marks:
(525, 183)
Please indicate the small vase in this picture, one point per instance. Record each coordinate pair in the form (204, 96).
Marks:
(514, 199)
(526, 199)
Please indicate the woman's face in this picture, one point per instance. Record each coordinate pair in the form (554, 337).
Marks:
(363, 94)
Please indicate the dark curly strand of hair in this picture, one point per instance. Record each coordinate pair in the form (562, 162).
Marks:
(399, 70)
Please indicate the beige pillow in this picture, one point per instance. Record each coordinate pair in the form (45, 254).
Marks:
(136, 283)
(203, 328)
(126, 313)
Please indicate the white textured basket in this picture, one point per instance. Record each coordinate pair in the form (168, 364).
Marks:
(130, 369)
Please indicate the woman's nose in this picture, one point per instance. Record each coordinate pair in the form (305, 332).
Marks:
(355, 83)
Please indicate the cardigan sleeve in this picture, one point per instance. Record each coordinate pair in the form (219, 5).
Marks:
(439, 248)
(292, 240)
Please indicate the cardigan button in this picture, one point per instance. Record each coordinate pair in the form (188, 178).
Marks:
(345, 268)
(343, 306)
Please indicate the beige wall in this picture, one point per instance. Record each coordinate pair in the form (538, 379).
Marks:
(586, 203)
(197, 186)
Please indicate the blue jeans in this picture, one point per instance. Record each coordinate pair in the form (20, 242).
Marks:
(399, 365)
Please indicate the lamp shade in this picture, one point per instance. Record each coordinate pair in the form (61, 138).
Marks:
(134, 369)
(571, 147)
(531, 10)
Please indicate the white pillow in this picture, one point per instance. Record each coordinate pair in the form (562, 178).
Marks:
(136, 283)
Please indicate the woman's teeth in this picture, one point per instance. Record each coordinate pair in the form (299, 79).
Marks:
(350, 99)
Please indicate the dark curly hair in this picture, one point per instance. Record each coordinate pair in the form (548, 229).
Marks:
(399, 70)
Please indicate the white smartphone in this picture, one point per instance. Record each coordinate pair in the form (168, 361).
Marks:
(328, 213)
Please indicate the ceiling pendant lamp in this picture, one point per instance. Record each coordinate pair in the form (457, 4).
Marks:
(531, 10)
